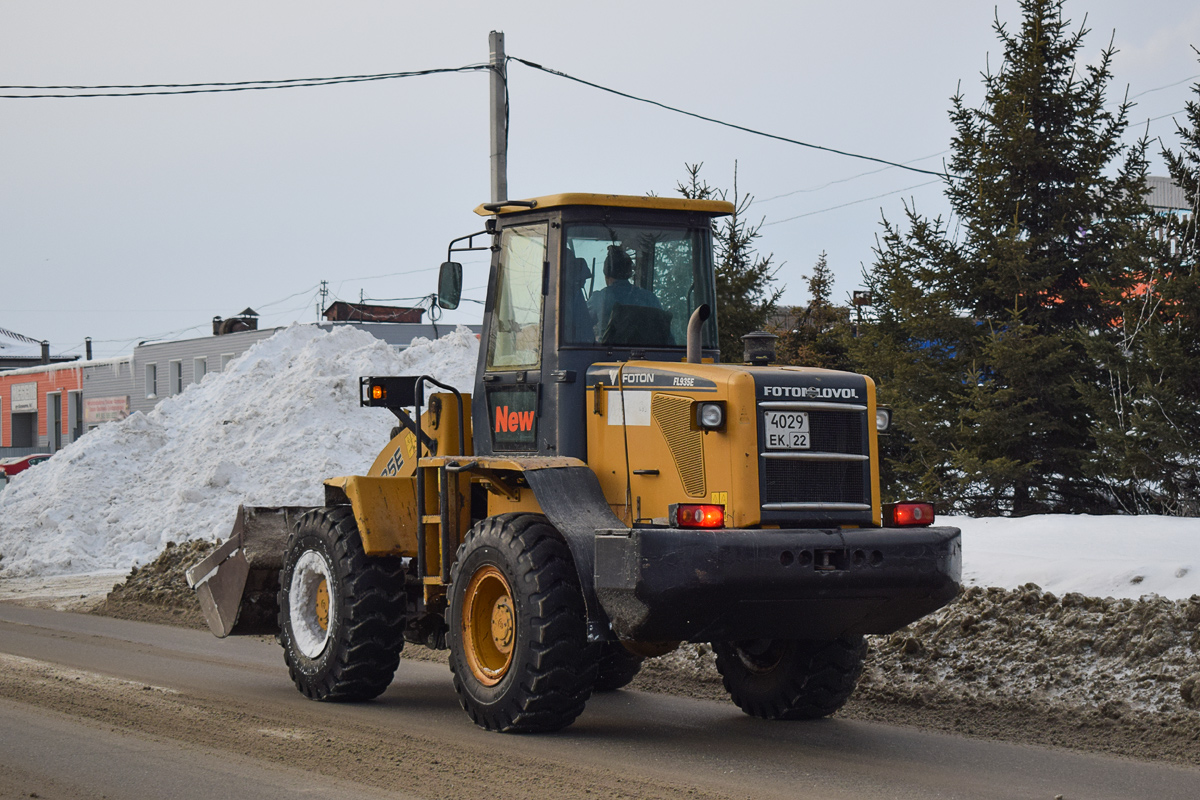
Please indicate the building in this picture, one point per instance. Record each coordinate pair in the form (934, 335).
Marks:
(41, 408)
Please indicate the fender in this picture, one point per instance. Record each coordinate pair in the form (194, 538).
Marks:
(572, 500)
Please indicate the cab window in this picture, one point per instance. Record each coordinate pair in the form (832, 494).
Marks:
(515, 338)
(634, 285)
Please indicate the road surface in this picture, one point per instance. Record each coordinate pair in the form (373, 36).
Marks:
(96, 707)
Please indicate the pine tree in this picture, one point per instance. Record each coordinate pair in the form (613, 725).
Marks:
(745, 297)
(1146, 408)
(1046, 234)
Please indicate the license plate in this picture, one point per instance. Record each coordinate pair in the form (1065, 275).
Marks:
(787, 430)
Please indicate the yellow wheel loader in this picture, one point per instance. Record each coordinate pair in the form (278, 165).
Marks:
(608, 491)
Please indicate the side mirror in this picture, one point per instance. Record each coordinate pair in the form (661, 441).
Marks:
(450, 285)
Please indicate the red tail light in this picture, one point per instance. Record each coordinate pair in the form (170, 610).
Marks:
(908, 514)
(699, 516)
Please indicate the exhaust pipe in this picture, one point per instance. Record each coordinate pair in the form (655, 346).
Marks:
(695, 324)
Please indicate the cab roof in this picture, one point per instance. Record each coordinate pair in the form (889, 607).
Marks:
(715, 208)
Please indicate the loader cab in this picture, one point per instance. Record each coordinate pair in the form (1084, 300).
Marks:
(578, 279)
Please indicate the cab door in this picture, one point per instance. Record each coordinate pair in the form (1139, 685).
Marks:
(512, 354)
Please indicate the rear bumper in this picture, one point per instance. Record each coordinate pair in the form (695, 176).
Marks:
(668, 584)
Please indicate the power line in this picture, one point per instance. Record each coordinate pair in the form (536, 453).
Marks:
(845, 180)
(851, 203)
(1160, 88)
(158, 89)
(742, 128)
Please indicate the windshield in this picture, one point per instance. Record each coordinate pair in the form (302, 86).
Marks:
(635, 285)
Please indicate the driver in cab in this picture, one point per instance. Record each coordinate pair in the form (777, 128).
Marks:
(618, 270)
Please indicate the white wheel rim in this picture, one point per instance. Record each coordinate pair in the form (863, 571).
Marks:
(310, 573)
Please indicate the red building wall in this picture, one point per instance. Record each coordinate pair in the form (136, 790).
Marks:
(49, 379)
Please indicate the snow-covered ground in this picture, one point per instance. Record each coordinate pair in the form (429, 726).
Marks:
(1109, 556)
(284, 415)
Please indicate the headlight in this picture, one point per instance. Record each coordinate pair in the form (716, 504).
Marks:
(883, 419)
(710, 415)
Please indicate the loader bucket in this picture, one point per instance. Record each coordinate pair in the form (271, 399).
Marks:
(238, 583)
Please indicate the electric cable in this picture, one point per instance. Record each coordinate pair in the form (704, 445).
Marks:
(851, 203)
(742, 128)
(231, 86)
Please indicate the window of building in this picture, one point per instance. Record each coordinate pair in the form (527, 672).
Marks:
(199, 369)
(176, 386)
(225, 359)
(151, 380)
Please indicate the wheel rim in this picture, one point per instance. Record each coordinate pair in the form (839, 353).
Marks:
(760, 655)
(309, 608)
(488, 625)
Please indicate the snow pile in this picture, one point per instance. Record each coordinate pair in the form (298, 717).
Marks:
(266, 431)
(1098, 556)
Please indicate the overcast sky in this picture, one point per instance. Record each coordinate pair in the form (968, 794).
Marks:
(143, 217)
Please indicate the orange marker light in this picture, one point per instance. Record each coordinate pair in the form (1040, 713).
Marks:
(699, 516)
(377, 392)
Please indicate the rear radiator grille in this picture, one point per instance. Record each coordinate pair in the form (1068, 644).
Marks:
(814, 482)
(834, 470)
(836, 431)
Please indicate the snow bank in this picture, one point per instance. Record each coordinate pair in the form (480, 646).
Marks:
(1108, 556)
(266, 431)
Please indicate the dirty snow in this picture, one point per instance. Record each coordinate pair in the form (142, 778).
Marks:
(265, 431)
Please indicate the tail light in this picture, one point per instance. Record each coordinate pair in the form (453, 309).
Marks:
(698, 516)
(907, 515)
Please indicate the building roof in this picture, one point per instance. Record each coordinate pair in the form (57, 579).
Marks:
(15, 346)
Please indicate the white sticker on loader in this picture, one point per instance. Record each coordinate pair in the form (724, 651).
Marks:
(637, 408)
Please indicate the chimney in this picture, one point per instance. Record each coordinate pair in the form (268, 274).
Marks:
(45, 352)
(87, 347)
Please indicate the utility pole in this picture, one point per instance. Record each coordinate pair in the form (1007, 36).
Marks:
(499, 116)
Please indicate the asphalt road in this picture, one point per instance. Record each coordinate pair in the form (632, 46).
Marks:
(94, 707)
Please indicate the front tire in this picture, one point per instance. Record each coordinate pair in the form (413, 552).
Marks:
(518, 627)
(789, 679)
(341, 612)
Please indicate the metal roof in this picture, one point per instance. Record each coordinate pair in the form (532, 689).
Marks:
(714, 208)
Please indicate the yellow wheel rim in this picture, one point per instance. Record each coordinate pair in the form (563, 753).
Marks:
(322, 601)
(489, 625)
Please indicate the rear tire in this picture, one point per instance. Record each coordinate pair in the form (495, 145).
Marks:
(618, 667)
(341, 612)
(518, 628)
(789, 679)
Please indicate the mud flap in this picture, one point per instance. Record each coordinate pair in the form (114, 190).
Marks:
(572, 500)
(238, 583)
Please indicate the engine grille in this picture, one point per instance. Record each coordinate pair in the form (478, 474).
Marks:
(829, 478)
(814, 482)
(836, 431)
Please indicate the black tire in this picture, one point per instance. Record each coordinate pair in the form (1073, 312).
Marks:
(787, 679)
(518, 628)
(354, 655)
(617, 667)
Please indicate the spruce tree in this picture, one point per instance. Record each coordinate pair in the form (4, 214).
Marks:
(1147, 412)
(996, 316)
(744, 277)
